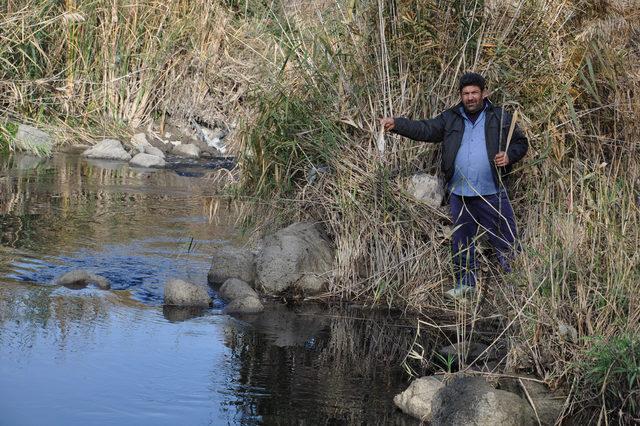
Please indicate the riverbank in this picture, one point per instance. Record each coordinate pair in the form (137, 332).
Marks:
(305, 86)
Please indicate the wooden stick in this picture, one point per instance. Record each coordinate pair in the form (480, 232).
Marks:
(511, 129)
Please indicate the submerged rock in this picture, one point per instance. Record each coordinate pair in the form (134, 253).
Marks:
(108, 149)
(232, 262)
(416, 400)
(244, 305)
(79, 278)
(234, 288)
(182, 293)
(147, 160)
(32, 139)
(298, 256)
(187, 150)
(471, 401)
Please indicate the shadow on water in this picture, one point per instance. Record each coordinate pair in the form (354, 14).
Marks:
(86, 356)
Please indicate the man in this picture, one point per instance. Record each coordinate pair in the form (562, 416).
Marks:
(475, 158)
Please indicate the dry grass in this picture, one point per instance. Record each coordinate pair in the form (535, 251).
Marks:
(307, 83)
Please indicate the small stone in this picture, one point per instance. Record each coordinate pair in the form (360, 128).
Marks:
(567, 333)
(108, 149)
(147, 160)
(244, 305)
(416, 400)
(182, 293)
(187, 150)
(79, 278)
(32, 139)
(152, 150)
(234, 288)
(139, 141)
(427, 188)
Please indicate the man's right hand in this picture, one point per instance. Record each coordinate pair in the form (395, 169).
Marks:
(388, 123)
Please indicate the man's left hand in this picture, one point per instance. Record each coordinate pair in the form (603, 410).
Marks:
(501, 159)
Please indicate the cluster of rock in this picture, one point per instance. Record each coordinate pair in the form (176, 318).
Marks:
(473, 401)
(296, 259)
(142, 153)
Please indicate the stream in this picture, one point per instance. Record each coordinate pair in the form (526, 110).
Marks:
(118, 357)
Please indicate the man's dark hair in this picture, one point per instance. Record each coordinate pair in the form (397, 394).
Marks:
(472, 79)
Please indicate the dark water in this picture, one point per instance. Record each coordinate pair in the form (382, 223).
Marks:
(80, 357)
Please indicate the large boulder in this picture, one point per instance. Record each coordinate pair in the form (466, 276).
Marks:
(80, 278)
(471, 401)
(548, 404)
(298, 257)
(416, 400)
(147, 160)
(187, 150)
(231, 262)
(32, 139)
(244, 305)
(182, 293)
(234, 288)
(427, 188)
(108, 149)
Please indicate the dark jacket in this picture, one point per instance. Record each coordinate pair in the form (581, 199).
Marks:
(448, 128)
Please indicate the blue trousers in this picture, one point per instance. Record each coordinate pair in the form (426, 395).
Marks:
(491, 215)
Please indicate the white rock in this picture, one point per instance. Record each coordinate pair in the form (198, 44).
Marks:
(29, 138)
(147, 160)
(416, 400)
(187, 150)
(427, 188)
(152, 150)
(139, 141)
(183, 293)
(108, 149)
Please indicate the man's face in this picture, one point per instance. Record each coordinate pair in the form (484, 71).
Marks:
(472, 98)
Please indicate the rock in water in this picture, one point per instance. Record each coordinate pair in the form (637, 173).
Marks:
(297, 256)
(234, 288)
(108, 149)
(32, 139)
(416, 400)
(187, 150)
(139, 142)
(427, 188)
(471, 401)
(152, 150)
(147, 160)
(182, 293)
(244, 305)
(232, 262)
(79, 278)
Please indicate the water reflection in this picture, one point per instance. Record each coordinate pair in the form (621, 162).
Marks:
(87, 356)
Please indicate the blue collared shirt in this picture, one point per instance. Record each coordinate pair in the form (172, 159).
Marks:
(472, 174)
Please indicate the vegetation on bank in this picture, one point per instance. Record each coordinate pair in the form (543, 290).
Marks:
(307, 83)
